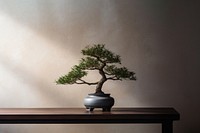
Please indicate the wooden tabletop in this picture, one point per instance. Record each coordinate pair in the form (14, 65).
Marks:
(81, 115)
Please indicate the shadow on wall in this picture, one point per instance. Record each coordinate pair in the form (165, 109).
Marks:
(63, 21)
(29, 88)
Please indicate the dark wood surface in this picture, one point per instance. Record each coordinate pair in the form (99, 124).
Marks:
(81, 115)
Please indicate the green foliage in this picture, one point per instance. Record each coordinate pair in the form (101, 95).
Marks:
(89, 63)
(119, 73)
(75, 74)
(97, 57)
(101, 53)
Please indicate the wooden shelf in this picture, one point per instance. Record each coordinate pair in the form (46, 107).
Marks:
(165, 116)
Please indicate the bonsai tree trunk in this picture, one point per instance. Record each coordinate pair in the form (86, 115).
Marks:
(102, 81)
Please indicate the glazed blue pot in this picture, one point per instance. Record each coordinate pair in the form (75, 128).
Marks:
(101, 100)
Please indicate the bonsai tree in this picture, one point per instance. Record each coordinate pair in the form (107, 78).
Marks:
(97, 57)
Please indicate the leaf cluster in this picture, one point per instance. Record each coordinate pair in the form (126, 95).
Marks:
(119, 73)
(75, 74)
(89, 63)
(101, 53)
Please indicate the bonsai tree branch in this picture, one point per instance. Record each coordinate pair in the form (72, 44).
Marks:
(84, 82)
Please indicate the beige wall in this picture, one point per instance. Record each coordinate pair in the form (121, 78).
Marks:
(41, 40)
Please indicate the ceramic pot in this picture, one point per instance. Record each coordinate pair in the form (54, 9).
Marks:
(102, 100)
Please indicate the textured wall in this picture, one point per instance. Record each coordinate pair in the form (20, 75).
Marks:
(41, 40)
